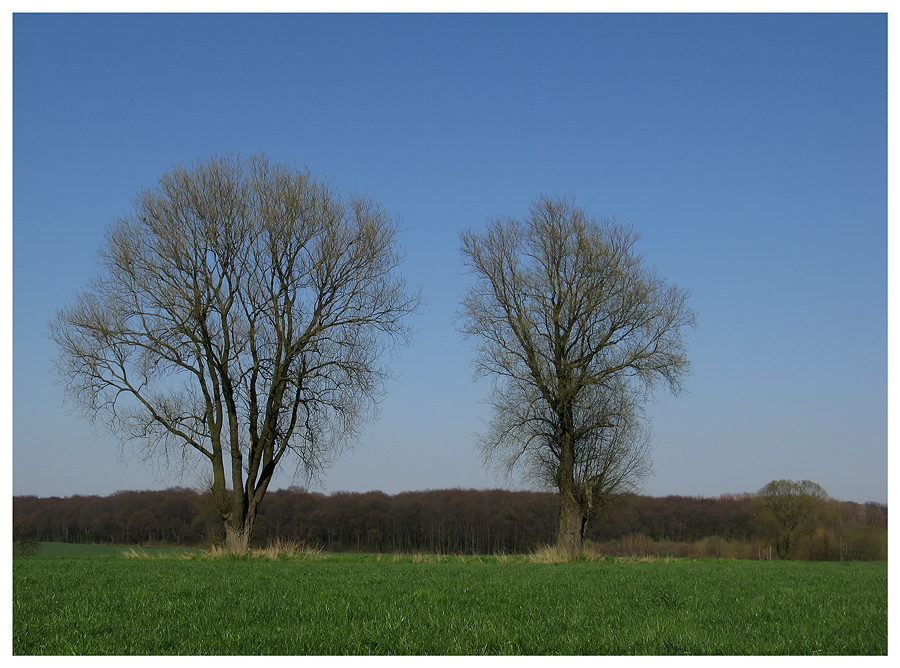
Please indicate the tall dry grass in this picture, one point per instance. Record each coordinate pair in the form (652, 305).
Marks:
(275, 549)
(639, 546)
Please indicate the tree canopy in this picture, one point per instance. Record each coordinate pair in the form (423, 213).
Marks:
(788, 511)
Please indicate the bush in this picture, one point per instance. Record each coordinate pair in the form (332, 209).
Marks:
(25, 541)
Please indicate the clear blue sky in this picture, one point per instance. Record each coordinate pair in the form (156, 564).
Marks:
(749, 151)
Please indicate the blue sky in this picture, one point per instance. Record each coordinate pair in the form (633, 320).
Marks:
(749, 151)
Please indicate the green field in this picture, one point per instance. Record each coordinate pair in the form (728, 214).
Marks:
(366, 604)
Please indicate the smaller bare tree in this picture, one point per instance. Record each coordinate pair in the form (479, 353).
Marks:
(576, 332)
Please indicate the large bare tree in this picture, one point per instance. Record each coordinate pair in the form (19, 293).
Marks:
(241, 314)
(576, 331)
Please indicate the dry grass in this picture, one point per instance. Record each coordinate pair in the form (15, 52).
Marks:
(277, 549)
(138, 553)
(637, 546)
(552, 554)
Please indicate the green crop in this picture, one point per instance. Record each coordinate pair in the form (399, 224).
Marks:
(363, 605)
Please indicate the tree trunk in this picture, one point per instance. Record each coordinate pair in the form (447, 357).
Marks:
(237, 538)
(572, 520)
(237, 510)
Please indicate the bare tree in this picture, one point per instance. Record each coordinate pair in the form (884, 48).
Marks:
(576, 332)
(240, 314)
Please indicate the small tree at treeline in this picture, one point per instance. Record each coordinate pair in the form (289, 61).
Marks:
(790, 511)
(576, 331)
(240, 315)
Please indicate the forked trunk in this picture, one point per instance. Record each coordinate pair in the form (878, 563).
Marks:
(239, 526)
(237, 510)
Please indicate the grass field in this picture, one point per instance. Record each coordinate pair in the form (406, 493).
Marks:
(367, 604)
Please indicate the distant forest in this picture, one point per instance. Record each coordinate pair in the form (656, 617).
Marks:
(453, 521)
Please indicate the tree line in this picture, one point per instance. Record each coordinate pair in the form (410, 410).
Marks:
(458, 521)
